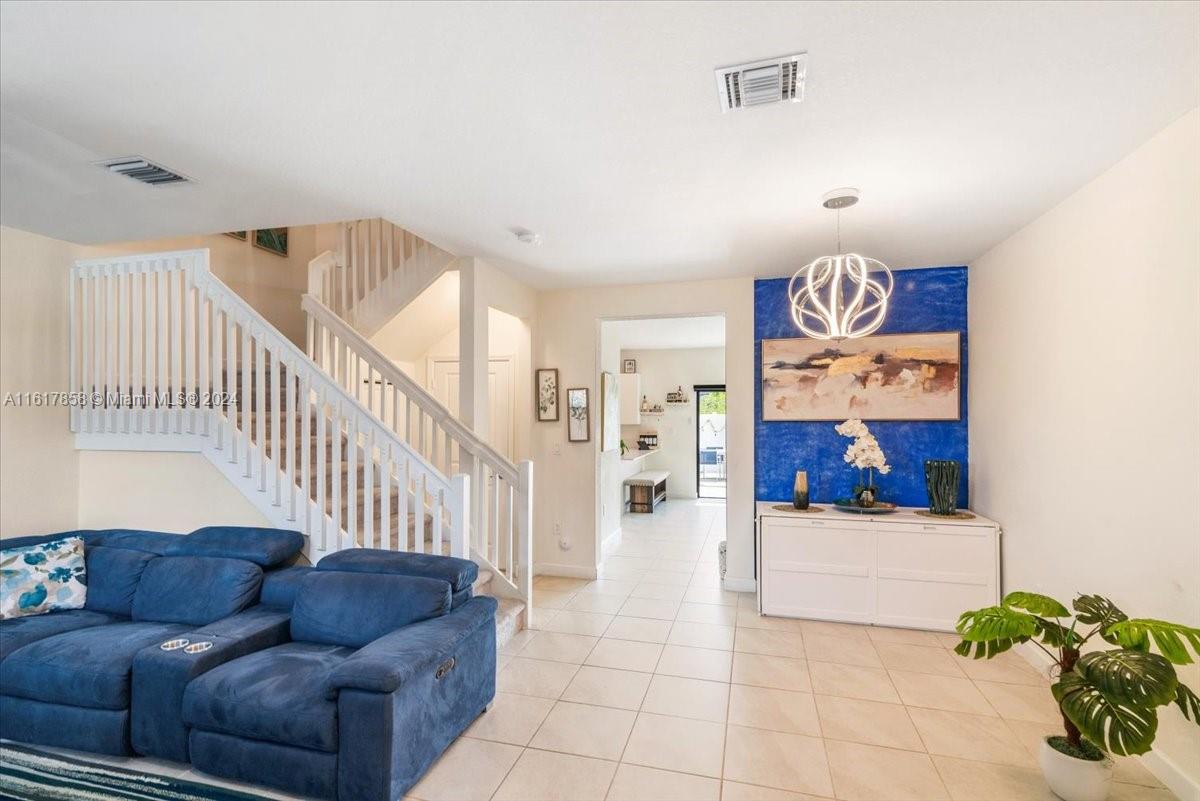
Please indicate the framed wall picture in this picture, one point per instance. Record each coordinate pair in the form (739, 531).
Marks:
(274, 240)
(610, 412)
(579, 423)
(629, 366)
(237, 235)
(546, 391)
(884, 377)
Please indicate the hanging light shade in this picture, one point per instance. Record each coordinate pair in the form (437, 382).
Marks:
(843, 296)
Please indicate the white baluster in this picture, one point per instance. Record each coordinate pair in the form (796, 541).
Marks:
(385, 501)
(276, 398)
(352, 506)
(290, 440)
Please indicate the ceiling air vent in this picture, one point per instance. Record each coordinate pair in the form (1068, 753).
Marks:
(758, 83)
(140, 169)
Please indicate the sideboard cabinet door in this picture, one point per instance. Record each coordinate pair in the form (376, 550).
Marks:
(817, 569)
(928, 575)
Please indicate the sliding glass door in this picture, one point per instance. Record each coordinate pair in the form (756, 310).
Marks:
(710, 441)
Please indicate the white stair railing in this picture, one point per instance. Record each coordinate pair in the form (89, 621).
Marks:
(377, 269)
(501, 517)
(157, 342)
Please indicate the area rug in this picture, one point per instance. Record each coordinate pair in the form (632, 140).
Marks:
(30, 775)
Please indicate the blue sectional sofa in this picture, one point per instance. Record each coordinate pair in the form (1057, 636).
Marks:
(343, 681)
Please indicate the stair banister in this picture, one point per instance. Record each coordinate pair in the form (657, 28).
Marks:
(501, 513)
(123, 339)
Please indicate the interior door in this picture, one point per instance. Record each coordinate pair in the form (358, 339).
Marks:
(443, 383)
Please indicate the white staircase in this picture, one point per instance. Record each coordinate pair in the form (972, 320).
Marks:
(165, 357)
(377, 269)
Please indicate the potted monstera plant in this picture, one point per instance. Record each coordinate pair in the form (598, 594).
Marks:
(1109, 697)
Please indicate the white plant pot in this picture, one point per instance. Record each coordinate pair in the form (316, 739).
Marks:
(1074, 779)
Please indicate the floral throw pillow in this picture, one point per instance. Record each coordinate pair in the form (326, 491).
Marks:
(36, 579)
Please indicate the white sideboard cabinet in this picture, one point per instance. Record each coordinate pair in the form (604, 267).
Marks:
(898, 569)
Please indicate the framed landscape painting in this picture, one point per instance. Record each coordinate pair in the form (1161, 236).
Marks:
(272, 239)
(887, 377)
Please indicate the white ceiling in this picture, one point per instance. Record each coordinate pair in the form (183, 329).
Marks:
(668, 333)
(593, 124)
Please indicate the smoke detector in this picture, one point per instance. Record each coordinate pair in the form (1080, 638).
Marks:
(759, 83)
(144, 170)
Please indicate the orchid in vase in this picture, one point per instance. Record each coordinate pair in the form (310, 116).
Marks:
(865, 454)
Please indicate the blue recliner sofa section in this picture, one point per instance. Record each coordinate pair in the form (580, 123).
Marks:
(343, 681)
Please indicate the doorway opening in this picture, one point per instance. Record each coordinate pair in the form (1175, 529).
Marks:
(710, 441)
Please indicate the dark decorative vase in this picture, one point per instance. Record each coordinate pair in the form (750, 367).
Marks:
(941, 481)
(866, 496)
(800, 490)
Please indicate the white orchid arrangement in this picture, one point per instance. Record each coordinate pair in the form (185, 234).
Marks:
(864, 452)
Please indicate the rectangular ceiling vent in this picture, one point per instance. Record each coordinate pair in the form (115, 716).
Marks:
(140, 169)
(773, 80)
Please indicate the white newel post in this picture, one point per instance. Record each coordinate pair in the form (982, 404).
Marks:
(460, 545)
(524, 515)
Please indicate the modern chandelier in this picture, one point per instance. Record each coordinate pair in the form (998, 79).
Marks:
(837, 297)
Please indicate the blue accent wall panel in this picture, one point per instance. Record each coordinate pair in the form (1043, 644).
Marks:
(923, 301)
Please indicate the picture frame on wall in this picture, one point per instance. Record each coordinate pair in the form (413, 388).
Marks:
(915, 377)
(237, 235)
(610, 412)
(629, 366)
(545, 394)
(579, 424)
(272, 240)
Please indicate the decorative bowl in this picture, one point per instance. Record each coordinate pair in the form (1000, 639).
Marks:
(849, 505)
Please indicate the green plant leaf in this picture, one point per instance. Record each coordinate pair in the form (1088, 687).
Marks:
(1096, 610)
(995, 623)
(1036, 604)
(1171, 639)
(988, 649)
(1130, 677)
(1188, 703)
(1117, 727)
(1054, 634)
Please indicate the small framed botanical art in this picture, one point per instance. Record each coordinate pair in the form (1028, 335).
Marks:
(610, 412)
(579, 423)
(629, 366)
(237, 235)
(546, 391)
(274, 240)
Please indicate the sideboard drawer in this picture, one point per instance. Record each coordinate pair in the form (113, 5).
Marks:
(814, 572)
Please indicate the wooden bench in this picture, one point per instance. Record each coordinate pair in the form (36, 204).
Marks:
(647, 489)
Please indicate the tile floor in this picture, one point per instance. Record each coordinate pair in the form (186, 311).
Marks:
(652, 683)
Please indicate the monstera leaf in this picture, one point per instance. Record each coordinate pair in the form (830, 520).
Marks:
(1116, 726)
(1096, 610)
(1188, 703)
(1132, 677)
(992, 630)
(1041, 605)
(1054, 633)
(1171, 639)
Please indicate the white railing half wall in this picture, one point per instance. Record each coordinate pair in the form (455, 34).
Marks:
(376, 270)
(501, 512)
(164, 356)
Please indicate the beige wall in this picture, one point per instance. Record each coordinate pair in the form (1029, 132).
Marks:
(161, 491)
(272, 284)
(39, 467)
(1085, 395)
(567, 336)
